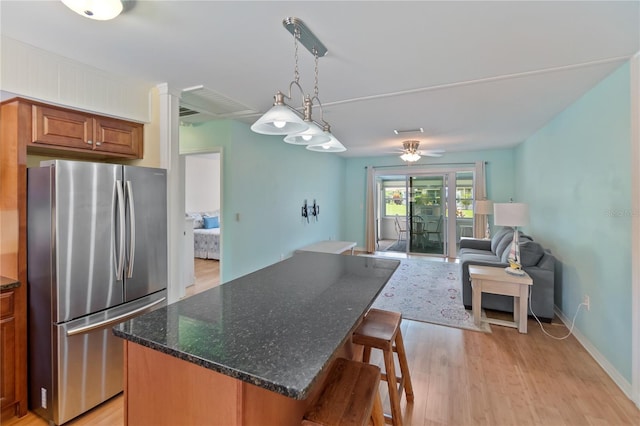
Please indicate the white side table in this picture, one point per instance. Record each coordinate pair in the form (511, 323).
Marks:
(330, 246)
(490, 279)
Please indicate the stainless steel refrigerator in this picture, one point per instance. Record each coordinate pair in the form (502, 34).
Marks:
(97, 255)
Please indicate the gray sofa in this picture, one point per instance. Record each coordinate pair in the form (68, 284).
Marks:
(535, 260)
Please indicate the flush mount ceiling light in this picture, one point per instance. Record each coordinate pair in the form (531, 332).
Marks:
(101, 10)
(282, 119)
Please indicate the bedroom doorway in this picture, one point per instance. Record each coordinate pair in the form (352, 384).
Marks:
(203, 208)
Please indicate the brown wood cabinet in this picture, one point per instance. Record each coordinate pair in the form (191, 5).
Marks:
(13, 260)
(7, 349)
(79, 133)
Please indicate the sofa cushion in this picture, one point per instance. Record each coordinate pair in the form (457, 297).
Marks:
(504, 244)
(497, 237)
(530, 253)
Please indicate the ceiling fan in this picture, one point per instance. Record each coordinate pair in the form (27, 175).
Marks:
(410, 152)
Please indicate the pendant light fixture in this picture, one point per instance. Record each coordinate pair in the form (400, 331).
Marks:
(101, 10)
(282, 119)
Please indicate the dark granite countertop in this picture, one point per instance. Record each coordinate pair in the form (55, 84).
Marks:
(8, 283)
(277, 328)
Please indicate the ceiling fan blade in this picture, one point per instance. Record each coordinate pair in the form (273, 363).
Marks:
(433, 153)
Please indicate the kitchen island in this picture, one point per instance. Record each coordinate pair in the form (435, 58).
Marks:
(253, 351)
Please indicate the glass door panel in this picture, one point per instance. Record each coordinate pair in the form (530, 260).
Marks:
(464, 206)
(426, 217)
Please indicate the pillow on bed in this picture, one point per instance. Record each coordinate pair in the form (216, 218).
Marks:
(211, 222)
(198, 222)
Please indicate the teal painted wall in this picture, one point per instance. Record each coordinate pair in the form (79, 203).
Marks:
(500, 181)
(265, 181)
(575, 173)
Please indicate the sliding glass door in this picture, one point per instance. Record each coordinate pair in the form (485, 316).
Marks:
(424, 212)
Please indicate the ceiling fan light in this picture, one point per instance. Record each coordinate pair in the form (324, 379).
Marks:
(101, 10)
(313, 135)
(410, 157)
(279, 120)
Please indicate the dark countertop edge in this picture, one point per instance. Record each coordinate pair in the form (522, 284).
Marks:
(8, 283)
(236, 374)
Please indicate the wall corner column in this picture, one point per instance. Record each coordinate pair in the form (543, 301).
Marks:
(170, 160)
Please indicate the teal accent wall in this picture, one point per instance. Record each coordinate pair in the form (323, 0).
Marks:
(266, 181)
(575, 173)
(499, 170)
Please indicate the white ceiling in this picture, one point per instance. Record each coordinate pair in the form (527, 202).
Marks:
(474, 75)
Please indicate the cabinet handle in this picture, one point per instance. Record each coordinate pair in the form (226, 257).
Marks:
(90, 143)
(98, 144)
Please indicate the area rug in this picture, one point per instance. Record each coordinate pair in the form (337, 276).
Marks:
(428, 291)
(400, 246)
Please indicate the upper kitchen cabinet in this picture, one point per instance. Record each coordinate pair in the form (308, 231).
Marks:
(55, 129)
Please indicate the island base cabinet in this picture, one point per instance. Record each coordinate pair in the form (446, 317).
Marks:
(163, 390)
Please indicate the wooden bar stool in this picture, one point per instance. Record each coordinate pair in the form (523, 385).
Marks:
(350, 397)
(381, 330)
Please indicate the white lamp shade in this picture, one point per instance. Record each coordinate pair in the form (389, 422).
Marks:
(279, 120)
(511, 214)
(333, 145)
(101, 10)
(312, 136)
(484, 207)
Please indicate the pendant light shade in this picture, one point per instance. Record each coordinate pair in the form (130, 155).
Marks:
(101, 10)
(312, 136)
(333, 145)
(279, 120)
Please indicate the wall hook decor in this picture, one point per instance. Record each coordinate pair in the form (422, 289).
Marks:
(305, 211)
(315, 210)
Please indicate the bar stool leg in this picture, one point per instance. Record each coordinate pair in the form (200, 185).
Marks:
(404, 367)
(390, 373)
(377, 414)
(366, 354)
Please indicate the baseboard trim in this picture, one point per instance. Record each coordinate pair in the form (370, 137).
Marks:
(608, 368)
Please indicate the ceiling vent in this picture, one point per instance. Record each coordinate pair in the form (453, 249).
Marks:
(199, 104)
(186, 112)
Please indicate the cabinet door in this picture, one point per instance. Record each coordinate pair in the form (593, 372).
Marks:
(64, 128)
(118, 136)
(7, 350)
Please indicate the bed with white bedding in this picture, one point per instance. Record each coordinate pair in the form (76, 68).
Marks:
(206, 235)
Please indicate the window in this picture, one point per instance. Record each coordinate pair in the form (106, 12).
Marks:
(464, 195)
(394, 198)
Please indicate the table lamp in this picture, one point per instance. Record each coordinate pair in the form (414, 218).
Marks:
(484, 208)
(514, 215)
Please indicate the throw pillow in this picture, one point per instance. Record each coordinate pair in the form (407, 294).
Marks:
(198, 222)
(211, 222)
(530, 253)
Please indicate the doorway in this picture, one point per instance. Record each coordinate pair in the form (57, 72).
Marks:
(424, 212)
(202, 189)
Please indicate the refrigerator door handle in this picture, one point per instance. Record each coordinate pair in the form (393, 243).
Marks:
(114, 320)
(132, 229)
(121, 240)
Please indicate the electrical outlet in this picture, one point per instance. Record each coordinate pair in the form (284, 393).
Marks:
(586, 302)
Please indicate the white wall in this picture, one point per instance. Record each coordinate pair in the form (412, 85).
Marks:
(202, 183)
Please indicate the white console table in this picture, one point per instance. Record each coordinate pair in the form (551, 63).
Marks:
(330, 246)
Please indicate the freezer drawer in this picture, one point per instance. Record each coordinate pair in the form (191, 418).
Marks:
(86, 362)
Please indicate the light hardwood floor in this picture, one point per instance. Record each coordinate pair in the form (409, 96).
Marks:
(468, 378)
